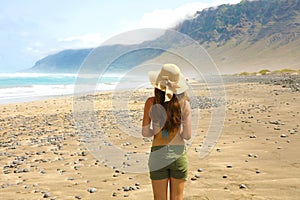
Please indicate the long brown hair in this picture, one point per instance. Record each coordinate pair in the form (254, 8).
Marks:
(169, 113)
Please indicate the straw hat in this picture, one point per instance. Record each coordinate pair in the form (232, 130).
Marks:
(169, 79)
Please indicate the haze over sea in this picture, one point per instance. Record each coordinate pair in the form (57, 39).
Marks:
(24, 87)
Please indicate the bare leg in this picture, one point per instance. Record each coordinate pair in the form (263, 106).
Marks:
(176, 188)
(160, 189)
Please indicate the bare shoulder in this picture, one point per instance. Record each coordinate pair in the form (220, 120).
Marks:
(187, 107)
(188, 104)
(150, 101)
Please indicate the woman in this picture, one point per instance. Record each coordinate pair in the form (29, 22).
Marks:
(167, 118)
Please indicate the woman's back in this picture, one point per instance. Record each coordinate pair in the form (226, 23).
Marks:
(174, 137)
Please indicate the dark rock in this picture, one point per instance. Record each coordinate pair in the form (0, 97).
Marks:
(283, 135)
(92, 190)
(229, 166)
(26, 170)
(197, 176)
(47, 194)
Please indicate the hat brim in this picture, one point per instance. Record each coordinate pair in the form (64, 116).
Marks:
(181, 82)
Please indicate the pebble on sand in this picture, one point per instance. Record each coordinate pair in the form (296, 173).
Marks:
(229, 166)
(47, 194)
(243, 186)
(283, 135)
(92, 190)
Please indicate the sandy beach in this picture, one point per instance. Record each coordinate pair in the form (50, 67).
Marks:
(257, 155)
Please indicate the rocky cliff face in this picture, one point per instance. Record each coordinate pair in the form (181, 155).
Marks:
(249, 36)
(248, 20)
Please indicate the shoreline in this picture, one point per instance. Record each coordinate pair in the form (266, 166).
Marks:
(287, 80)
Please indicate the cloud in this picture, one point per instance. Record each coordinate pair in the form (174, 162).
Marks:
(81, 41)
(34, 49)
(167, 18)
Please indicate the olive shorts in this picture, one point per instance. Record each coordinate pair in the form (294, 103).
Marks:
(168, 161)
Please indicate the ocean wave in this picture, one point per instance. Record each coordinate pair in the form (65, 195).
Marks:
(35, 92)
(23, 87)
(36, 75)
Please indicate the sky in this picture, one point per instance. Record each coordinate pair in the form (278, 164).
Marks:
(32, 29)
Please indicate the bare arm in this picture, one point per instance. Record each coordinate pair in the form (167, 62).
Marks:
(187, 124)
(146, 131)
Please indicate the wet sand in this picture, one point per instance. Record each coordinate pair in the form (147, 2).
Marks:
(42, 153)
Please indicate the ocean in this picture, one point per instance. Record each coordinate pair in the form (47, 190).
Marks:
(24, 87)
